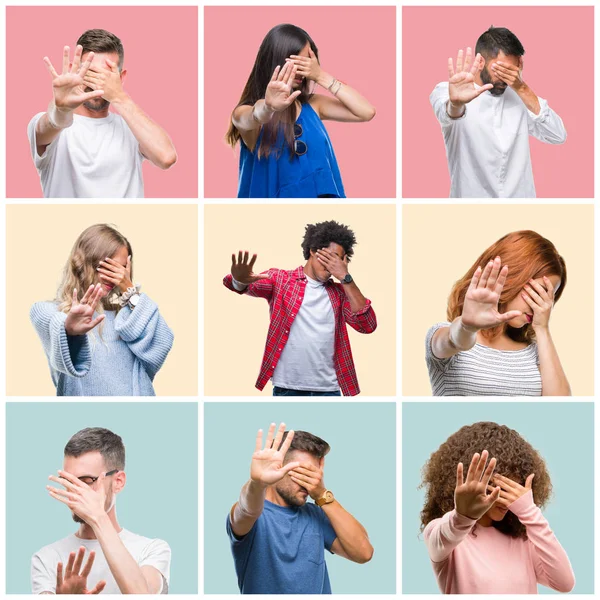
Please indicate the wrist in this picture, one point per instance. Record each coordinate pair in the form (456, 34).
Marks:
(460, 336)
(265, 111)
(59, 117)
(324, 79)
(318, 493)
(120, 101)
(99, 522)
(257, 484)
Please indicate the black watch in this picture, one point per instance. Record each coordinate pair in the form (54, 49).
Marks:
(347, 278)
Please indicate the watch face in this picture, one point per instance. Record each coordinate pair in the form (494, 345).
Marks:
(134, 299)
(328, 496)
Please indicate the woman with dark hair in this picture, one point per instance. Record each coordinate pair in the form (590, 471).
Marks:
(497, 340)
(491, 539)
(285, 151)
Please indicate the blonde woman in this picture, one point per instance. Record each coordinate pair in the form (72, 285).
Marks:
(101, 335)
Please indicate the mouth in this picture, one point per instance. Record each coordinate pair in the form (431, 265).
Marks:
(529, 317)
(107, 287)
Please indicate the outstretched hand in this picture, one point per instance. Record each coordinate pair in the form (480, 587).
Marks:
(80, 319)
(480, 308)
(462, 80)
(470, 497)
(74, 580)
(278, 95)
(68, 87)
(242, 271)
(267, 465)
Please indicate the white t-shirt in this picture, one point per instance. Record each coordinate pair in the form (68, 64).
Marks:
(488, 147)
(154, 553)
(306, 362)
(94, 158)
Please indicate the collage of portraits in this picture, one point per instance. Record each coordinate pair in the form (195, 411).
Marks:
(247, 247)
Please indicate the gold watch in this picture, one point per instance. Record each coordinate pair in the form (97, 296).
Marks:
(326, 498)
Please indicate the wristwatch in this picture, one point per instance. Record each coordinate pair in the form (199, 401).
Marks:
(326, 498)
(133, 300)
(347, 278)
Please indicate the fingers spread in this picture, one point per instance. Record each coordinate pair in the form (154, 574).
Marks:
(269, 442)
(459, 474)
(496, 265)
(66, 51)
(50, 67)
(450, 68)
(88, 564)
(485, 275)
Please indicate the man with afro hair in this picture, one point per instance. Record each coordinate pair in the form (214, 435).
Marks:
(308, 351)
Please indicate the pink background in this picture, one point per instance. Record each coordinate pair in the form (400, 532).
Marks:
(356, 45)
(161, 58)
(558, 66)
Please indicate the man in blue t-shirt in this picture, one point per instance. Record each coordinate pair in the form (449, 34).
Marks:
(277, 539)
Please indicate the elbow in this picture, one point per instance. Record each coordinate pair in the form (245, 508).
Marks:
(365, 554)
(567, 585)
(167, 160)
(370, 114)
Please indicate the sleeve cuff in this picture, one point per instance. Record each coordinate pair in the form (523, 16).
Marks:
(130, 323)
(522, 504)
(71, 351)
(460, 521)
(363, 310)
(544, 112)
(240, 287)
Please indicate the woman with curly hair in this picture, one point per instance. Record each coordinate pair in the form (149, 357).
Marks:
(285, 151)
(491, 538)
(308, 351)
(101, 336)
(497, 339)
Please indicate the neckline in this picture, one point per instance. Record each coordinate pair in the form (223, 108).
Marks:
(96, 121)
(528, 347)
(279, 507)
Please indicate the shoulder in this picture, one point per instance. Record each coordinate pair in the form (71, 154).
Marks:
(441, 89)
(41, 310)
(34, 120)
(52, 552)
(146, 544)
(435, 523)
(431, 331)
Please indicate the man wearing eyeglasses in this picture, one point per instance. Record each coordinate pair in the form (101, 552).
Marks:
(118, 561)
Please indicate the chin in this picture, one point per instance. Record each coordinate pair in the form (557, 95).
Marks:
(498, 90)
(497, 514)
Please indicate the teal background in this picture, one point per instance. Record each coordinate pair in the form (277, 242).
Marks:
(160, 499)
(360, 469)
(563, 433)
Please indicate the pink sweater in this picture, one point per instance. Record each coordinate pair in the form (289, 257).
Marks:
(487, 561)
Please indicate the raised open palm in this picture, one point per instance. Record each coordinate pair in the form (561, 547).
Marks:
(480, 309)
(242, 271)
(279, 95)
(267, 463)
(470, 496)
(462, 80)
(68, 87)
(80, 319)
(74, 580)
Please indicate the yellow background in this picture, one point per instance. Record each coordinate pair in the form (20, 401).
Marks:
(441, 242)
(165, 248)
(236, 326)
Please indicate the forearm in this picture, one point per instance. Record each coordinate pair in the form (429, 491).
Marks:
(448, 341)
(50, 124)
(455, 111)
(443, 535)
(554, 380)
(253, 117)
(354, 296)
(529, 98)
(154, 142)
(248, 508)
(359, 106)
(350, 533)
(124, 568)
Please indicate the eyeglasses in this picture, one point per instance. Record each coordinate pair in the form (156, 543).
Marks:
(89, 480)
(300, 146)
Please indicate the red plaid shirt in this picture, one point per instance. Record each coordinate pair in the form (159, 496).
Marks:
(284, 291)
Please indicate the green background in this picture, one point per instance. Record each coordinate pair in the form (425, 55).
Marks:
(563, 433)
(160, 499)
(360, 469)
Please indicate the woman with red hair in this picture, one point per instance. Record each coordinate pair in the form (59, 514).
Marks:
(497, 339)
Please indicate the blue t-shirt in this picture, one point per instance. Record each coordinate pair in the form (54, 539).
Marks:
(284, 552)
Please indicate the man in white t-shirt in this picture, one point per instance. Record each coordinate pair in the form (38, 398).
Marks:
(118, 561)
(80, 149)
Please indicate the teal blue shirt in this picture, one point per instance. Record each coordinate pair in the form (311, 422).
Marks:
(284, 553)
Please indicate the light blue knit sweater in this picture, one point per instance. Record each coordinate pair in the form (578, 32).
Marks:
(134, 346)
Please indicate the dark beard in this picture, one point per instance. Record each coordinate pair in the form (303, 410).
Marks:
(77, 518)
(291, 500)
(99, 107)
(499, 87)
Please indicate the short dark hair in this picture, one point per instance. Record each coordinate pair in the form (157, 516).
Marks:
(307, 442)
(322, 234)
(496, 39)
(97, 439)
(100, 40)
